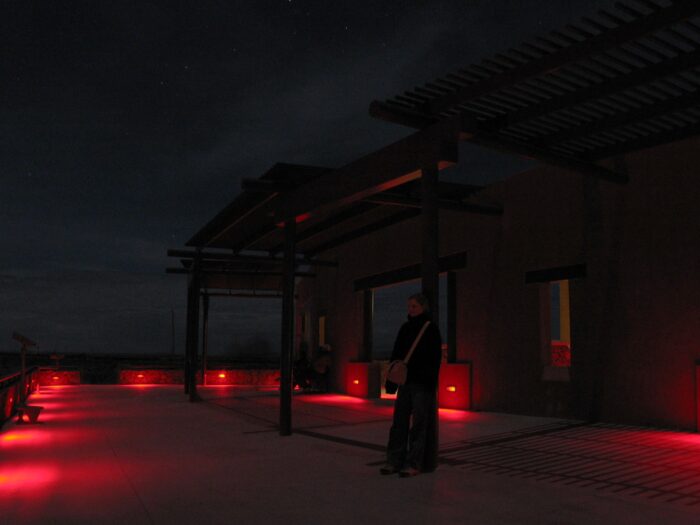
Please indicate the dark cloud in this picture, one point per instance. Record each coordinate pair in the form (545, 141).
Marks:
(127, 125)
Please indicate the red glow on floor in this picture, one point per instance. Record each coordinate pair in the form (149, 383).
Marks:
(450, 414)
(334, 399)
(23, 478)
(12, 437)
(25, 438)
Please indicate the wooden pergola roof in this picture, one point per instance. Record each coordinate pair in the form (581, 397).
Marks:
(252, 221)
(615, 82)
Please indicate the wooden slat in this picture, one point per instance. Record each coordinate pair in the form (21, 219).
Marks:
(595, 45)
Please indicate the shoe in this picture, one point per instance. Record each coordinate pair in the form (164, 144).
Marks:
(409, 472)
(388, 469)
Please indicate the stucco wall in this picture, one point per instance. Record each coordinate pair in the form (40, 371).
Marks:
(635, 316)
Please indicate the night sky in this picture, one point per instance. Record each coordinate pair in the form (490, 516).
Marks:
(128, 125)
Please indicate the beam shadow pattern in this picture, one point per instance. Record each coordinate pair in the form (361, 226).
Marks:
(657, 464)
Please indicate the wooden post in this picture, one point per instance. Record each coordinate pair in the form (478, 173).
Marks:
(23, 375)
(287, 347)
(367, 325)
(205, 336)
(193, 294)
(451, 317)
(430, 273)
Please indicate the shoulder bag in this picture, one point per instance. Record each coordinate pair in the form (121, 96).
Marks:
(398, 369)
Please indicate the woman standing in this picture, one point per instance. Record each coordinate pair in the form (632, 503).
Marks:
(417, 397)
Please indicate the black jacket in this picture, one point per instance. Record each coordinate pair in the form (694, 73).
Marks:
(424, 365)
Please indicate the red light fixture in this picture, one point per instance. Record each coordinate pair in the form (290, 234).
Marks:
(222, 376)
(451, 388)
(356, 382)
(55, 378)
(140, 376)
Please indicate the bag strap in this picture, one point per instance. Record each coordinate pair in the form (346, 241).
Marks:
(415, 343)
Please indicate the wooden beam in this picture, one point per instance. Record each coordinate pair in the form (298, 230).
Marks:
(611, 86)
(209, 256)
(655, 139)
(400, 115)
(609, 123)
(245, 295)
(266, 186)
(329, 223)
(249, 205)
(394, 199)
(452, 262)
(245, 273)
(474, 134)
(379, 171)
(678, 11)
(364, 230)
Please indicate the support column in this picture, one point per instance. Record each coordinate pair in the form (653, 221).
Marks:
(193, 294)
(430, 267)
(287, 328)
(205, 336)
(23, 375)
(451, 317)
(367, 325)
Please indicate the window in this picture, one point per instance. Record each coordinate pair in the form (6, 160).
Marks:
(560, 324)
(390, 314)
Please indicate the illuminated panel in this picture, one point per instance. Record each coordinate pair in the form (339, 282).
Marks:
(560, 354)
(151, 377)
(357, 379)
(454, 389)
(251, 377)
(58, 377)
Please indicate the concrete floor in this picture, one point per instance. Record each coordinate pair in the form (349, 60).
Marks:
(111, 454)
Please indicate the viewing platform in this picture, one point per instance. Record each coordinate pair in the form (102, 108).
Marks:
(144, 454)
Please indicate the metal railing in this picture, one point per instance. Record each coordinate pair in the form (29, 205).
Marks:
(14, 390)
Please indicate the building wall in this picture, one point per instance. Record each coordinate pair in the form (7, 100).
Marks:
(635, 316)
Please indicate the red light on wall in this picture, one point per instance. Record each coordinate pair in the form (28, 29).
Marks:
(55, 378)
(222, 376)
(454, 391)
(357, 379)
(140, 376)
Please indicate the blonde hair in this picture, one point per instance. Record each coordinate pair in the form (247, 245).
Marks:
(421, 300)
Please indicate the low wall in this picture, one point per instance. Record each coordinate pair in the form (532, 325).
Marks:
(455, 386)
(364, 379)
(58, 377)
(250, 377)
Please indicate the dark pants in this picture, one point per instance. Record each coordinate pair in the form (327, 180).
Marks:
(406, 447)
